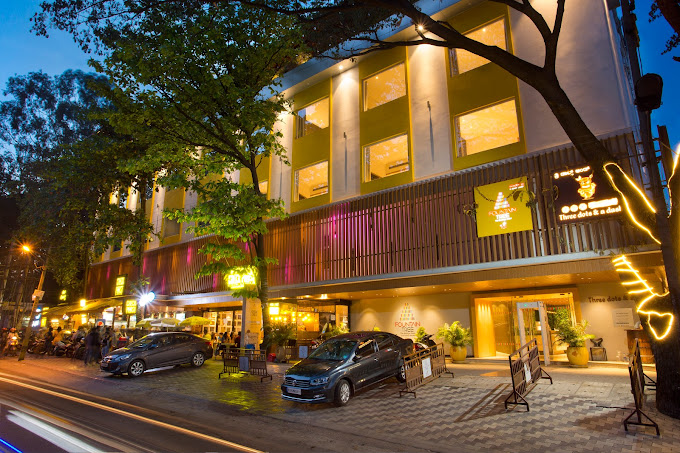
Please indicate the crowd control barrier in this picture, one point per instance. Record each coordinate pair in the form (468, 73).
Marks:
(525, 370)
(637, 385)
(422, 367)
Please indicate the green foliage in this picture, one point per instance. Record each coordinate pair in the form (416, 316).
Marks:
(65, 168)
(571, 335)
(455, 335)
(336, 330)
(420, 334)
(199, 87)
(281, 333)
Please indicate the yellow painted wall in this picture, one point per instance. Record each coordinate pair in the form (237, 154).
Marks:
(314, 147)
(385, 121)
(174, 199)
(482, 86)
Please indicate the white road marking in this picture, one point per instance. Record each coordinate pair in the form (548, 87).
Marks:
(136, 417)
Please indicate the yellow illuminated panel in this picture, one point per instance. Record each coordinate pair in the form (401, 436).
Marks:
(274, 308)
(311, 181)
(499, 211)
(486, 128)
(241, 277)
(385, 86)
(639, 286)
(130, 306)
(386, 158)
(492, 34)
(312, 118)
(264, 187)
(62, 295)
(120, 285)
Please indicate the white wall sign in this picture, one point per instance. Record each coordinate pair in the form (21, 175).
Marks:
(623, 317)
(427, 368)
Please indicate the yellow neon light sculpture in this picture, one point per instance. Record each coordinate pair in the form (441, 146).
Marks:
(626, 202)
(624, 266)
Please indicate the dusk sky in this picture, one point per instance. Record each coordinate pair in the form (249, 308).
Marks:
(23, 52)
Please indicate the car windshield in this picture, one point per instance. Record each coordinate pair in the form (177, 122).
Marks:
(334, 350)
(142, 342)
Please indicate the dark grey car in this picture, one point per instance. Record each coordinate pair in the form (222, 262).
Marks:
(344, 364)
(158, 350)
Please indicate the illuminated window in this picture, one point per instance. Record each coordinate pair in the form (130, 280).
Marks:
(386, 158)
(170, 228)
(492, 34)
(486, 128)
(385, 86)
(264, 187)
(311, 181)
(312, 118)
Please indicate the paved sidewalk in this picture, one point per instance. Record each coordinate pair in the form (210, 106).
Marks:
(582, 410)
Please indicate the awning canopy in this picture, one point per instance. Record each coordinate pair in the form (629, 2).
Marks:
(90, 306)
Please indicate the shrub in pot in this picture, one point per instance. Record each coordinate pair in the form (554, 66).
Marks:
(458, 337)
(574, 336)
(279, 336)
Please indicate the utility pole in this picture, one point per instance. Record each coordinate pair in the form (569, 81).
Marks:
(5, 276)
(37, 296)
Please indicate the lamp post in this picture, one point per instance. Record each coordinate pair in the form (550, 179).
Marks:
(37, 296)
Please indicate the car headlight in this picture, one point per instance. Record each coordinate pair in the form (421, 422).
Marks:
(122, 357)
(319, 381)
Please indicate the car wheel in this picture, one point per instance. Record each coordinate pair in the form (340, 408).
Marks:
(343, 391)
(136, 368)
(198, 359)
(401, 374)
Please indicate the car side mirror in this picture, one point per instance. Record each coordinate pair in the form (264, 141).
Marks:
(356, 357)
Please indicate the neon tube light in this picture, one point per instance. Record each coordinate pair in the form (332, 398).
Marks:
(624, 266)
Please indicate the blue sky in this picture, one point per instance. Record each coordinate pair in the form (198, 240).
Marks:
(23, 52)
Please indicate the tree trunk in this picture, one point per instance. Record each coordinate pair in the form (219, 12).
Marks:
(667, 358)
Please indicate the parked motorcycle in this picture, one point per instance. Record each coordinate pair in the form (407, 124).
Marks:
(427, 342)
(12, 348)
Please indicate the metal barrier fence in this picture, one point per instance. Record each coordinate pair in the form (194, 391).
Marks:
(637, 384)
(422, 367)
(645, 380)
(237, 360)
(525, 370)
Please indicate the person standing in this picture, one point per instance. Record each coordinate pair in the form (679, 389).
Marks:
(91, 345)
(57, 340)
(107, 339)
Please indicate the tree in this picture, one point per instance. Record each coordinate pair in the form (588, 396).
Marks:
(65, 163)
(670, 10)
(90, 15)
(190, 81)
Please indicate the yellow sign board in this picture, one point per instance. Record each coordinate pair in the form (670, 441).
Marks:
(241, 277)
(63, 295)
(120, 285)
(130, 306)
(502, 207)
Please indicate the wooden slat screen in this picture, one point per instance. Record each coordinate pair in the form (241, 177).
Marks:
(414, 227)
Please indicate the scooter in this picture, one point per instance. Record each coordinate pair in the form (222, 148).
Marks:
(12, 345)
(427, 342)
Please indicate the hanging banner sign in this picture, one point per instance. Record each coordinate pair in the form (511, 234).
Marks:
(502, 207)
(239, 278)
(581, 195)
(131, 306)
(119, 289)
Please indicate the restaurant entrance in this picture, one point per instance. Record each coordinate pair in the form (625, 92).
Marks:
(503, 323)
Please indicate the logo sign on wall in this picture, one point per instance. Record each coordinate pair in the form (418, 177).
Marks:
(407, 324)
(581, 195)
(502, 207)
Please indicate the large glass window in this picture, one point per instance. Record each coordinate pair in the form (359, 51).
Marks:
(312, 118)
(385, 86)
(492, 34)
(486, 128)
(311, 181)
(386, 158)
(170, 227)
(264, 187)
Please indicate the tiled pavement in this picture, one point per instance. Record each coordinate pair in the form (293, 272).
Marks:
(579, 413)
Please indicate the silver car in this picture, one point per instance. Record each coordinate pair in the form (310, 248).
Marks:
(158, 350)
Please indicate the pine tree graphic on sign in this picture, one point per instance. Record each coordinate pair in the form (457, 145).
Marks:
(407, 314)
(501, 202)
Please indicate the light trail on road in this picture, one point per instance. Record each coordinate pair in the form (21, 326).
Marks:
(22, 415)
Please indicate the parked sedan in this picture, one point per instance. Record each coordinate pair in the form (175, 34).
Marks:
(157, 350)
(344, 364)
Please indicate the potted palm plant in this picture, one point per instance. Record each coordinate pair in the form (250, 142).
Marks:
(458, 337)
(574, 336)
(279, 336)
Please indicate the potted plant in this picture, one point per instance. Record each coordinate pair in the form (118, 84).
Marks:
(336, 330)
(420, 335)
(574, 336)
(279, 336)
(458, 337)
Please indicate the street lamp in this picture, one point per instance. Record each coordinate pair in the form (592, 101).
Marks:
(37, 296)
(144, 300)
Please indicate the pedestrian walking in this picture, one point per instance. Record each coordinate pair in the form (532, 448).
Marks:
(91, 345)
(107, 340)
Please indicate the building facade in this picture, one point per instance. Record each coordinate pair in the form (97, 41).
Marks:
(428, 186)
